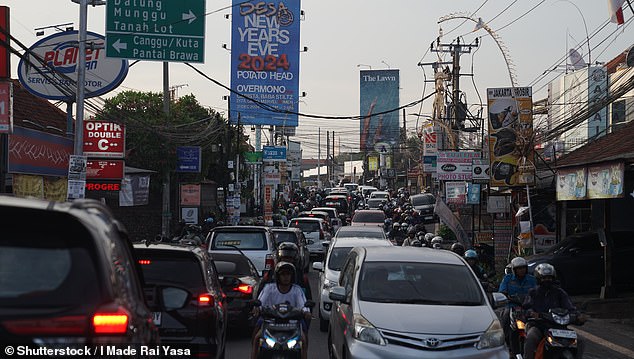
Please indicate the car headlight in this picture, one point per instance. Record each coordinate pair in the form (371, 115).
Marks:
(366, 332)
(291, 343)
(493, 337)
(561, 319)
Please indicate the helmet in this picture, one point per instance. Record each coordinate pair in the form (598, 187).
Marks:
(471, 254)
(416, 243)
(429, 236)
(436, 245)
(396, 225)
(545, 270)
(458, 248)
(411, 231)
(518, 262)
(288, 249)
(281, 266)
(437, 239)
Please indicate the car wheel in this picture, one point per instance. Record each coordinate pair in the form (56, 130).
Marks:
(323, 323)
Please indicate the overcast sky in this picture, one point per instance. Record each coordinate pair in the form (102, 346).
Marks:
(345, 36)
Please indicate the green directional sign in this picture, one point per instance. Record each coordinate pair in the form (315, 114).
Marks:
(156, 30)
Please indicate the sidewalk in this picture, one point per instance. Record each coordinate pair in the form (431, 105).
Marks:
(621, 307)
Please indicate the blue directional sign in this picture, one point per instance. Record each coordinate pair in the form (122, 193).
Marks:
(274, 153)
(188, 159)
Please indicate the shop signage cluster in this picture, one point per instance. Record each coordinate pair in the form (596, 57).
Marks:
(593, 182)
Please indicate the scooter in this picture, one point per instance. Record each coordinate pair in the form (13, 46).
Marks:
(281, 331)
(558, 342)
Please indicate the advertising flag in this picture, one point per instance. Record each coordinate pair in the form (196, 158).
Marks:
(265, 62)
(510, 133)
(378, 94)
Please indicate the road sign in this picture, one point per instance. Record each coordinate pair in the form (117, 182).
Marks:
(172, 31)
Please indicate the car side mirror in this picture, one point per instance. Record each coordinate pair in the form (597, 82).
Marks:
(338, 294)
(318, 266)
(174, 298)
(499, 300)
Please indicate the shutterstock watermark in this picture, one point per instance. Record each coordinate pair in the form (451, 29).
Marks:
(96, 351)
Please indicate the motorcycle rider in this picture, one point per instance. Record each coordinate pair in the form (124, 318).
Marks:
(517, 283)
(541, 299)
(280, 291)
(411, 236)
(396, 235)
(458, 248)
(471, 257)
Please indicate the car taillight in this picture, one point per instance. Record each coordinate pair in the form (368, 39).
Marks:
(244, 288)
(205, 300)
(268, 262)
(145, 261)
(106, 321)
(68, 325)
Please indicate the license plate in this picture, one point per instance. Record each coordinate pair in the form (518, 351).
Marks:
(156, 318)
(569, 334)
(429, 217)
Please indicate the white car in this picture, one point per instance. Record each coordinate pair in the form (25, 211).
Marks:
(329, 276)
(316, 233)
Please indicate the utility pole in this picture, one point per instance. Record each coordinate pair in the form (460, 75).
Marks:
(328, 157)
(319, 158)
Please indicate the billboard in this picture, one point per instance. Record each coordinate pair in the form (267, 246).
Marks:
(510, 133)
(38, 153)
(51, 69)
(378, 94)
(188, 159)
(455, 166)
(265, 62)
(104, 139)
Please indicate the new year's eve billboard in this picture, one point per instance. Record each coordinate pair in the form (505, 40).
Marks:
(265, 62)
(378, 94)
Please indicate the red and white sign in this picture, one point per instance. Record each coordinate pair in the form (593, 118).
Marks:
(104, 139)
(104, 170)
(455, 166)
(430, 140)
(6, 107)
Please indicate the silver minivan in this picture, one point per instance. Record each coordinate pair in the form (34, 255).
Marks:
(408, 302)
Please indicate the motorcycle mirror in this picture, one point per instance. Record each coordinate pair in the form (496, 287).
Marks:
(309, 304)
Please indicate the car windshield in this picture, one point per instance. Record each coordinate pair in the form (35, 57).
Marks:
(418, 283)
(171, 268)
(243, 240)
(329, 211)
(285, 237)
(306, 226)
(48, 269)
(337, 257)
(369, 217)
(379, 195)
(422, 200)
(232, 265)
(349, 233)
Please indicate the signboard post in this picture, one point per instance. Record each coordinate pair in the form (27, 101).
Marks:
(168, 31)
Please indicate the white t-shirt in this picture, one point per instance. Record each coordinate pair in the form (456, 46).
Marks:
(271, 296)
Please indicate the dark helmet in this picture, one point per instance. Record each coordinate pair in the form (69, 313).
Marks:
(411, 232)
(544, 271)
(284, 266)
(458, 248)
(289, 250)
(416, 243)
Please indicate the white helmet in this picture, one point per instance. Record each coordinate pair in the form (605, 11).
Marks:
(518, 262)
(437, 239)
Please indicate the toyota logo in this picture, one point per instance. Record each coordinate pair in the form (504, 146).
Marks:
(431, 342)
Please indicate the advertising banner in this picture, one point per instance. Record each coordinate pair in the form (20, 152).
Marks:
(39, 153)
(510, 133)
(274, 154)
(56, 78)
(6, 107)
(449, 218)
(135, 190)
(571, 184)
(190, 195)
(189, 215)
(597, 92)
(373, 163)
(104, 139)
(605, 181)
(430, 140)
(456, 192)
(473, 193)
(429, 164)
(455, 166)
(480, 171)
(498, 204)
(379, 92)
(188, 159)
(105, 170)
(265, 61)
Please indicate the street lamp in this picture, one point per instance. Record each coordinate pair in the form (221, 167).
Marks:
(359, 65)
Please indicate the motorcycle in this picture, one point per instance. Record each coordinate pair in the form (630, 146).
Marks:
(281, 331)
(517, 323)
(558, 342)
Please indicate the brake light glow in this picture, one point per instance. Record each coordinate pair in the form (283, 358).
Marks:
(205, 300)
(145, 261)
(111, 322)
(268, 262)
(244, 288)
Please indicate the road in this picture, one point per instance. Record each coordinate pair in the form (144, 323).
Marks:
(603, 338)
